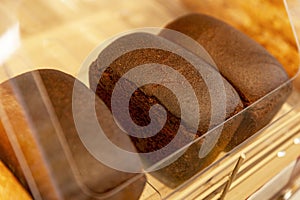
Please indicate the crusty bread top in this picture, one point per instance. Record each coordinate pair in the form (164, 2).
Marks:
(251, 70)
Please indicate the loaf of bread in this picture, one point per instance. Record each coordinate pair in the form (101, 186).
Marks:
(254, 73)
(10, 188)
(249, 74)
(149, 95)
(38, 106)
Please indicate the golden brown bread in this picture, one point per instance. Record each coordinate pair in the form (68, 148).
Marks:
(13, 121)
(46, 157)
(10, 188)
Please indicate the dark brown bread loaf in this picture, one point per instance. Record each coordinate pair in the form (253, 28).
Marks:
(46, 118)
(249, 68)
(114, 62)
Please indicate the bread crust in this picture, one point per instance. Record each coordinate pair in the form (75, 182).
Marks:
(75, 172)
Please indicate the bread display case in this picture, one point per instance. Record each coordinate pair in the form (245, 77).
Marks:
(57, 57)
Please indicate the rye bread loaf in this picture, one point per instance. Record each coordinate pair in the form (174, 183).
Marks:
(115, 62)
(41, 116)
(254, 73)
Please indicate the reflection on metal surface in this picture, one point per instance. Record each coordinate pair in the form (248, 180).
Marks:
(281, 154)
(233, 175)
(297, 141)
